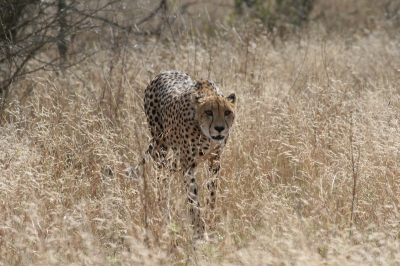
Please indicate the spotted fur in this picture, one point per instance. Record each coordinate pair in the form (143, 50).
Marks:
(193, 119)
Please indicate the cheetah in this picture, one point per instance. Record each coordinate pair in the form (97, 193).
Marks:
(193, 119)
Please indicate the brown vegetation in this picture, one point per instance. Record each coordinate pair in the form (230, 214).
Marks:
(309, 177)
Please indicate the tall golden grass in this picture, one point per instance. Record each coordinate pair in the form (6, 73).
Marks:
(309, 176)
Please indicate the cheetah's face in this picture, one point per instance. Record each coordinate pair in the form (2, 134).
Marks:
(215, 115)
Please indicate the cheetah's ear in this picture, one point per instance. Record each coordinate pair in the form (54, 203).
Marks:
(232, 98)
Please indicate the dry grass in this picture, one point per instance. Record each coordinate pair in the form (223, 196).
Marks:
(314, 113)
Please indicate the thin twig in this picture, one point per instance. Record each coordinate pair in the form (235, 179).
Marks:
(354, 174)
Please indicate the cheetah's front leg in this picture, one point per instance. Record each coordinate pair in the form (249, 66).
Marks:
(194, 207)
(212, 186)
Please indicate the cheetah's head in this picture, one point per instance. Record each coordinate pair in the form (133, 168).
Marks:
(215, 115)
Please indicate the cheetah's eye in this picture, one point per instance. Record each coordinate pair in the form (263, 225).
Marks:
(208, 112)
(227, 112)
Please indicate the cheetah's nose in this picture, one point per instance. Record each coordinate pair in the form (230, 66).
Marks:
(219, 128)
